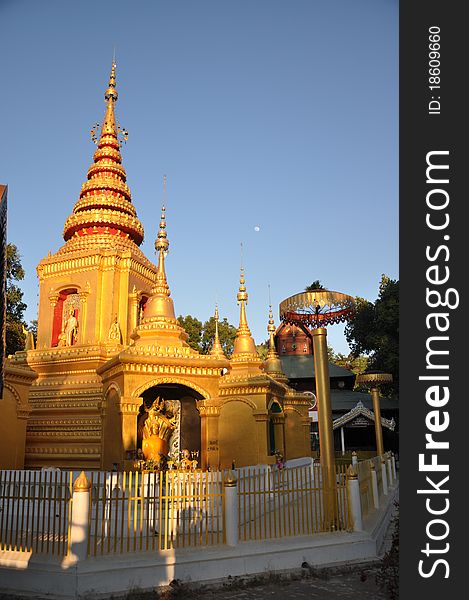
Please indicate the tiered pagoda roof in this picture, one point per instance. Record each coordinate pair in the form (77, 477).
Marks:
(104, 210)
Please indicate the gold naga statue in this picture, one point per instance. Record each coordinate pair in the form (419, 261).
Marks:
(156, 430)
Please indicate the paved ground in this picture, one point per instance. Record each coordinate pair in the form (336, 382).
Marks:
(359, 584)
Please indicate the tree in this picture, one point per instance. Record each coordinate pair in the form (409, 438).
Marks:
(193, 328)
(315, 285)
(374, 331)
(263, 349)
(33, 329)
(226, 334)
(15, 306)
(201, 336)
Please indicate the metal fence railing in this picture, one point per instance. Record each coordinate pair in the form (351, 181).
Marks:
(35, 511)
(147, 511)
(142, 511)
(287, 502)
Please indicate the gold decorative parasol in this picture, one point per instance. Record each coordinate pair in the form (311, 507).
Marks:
(317, 308)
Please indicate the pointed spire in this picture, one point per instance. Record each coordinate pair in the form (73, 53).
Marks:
(160, 305)
(273, 364)
(161, 247)
(105, 207)
(217, 348)
(244, 345)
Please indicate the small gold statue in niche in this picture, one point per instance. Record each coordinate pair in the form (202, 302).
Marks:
(155, 430)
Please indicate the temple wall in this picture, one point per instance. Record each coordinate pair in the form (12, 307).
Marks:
(297, 442)
(112, 446)
(238, 435)
(12, 433)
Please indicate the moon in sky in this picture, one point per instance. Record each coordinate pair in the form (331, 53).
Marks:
(257, 228)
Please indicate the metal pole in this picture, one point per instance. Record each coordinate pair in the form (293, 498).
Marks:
(378, 428)
(326, 433)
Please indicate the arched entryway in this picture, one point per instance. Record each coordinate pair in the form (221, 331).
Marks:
(276, 421)
(181, 401)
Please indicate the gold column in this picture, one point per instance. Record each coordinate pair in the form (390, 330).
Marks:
(209, 420)
(372, 380)
(378, 428)
(83, 305)
(326, 433)
(134, 298)
(53, 299)
(129, 411)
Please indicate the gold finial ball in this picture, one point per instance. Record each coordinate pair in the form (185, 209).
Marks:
(231, 480)
(82, 483)
(161, 243)
(111, 93)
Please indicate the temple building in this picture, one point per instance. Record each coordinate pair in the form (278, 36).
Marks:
(112, 375)
(353, 419)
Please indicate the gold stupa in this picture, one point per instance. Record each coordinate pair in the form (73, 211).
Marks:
(109, 345)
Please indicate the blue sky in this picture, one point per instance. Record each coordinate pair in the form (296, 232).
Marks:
(274, 114)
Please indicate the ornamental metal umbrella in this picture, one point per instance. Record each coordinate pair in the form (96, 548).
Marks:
(315, 310)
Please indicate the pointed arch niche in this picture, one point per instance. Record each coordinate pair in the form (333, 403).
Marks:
(66, 318)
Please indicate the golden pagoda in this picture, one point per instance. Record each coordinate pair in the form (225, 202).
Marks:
(112, 369)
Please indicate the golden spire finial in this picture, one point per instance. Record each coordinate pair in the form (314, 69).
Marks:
(160, 305)
(111, 92)
(242, 294)
(217, 348)
(272, 353)
(271, 325)
(273, 365)
(161, 242)
(244, 346)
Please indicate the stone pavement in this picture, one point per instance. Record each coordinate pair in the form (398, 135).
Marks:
(359, 584)
(350, 582)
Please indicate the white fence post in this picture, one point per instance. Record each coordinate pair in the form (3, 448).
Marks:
(393, 464)
(374, 486)
(353, 488)
(388, 465)
(384, 476)
(79, 530)
(231, 509)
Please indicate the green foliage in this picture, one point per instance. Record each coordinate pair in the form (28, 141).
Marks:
(315, 285)
(201, 336)
(33, 329)
(262, 349)
(15, 306)
(226, 334)
(374, 331)
(193, 328)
